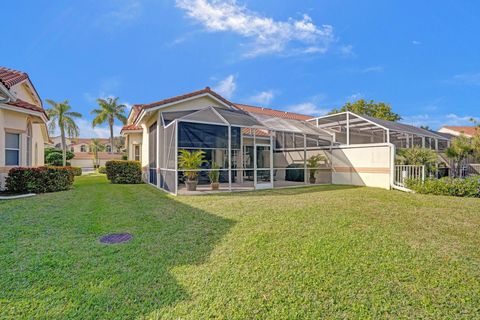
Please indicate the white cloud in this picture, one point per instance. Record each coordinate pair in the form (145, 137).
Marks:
(415, 42)
(263, 98)
(308, 108)
(468, 79)
(267, 35)
(354, 97)
(226, 87)
(436, 121)
(125, 11)
(347, 51)
(372, 69)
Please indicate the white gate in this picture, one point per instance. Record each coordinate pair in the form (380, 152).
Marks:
(406, 172)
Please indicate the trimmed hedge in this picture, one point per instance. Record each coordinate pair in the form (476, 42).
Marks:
(39, 180)
(77, 171)
(469, 187)
(124, 172)
(102, 170)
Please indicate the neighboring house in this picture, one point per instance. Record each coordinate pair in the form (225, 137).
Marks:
(259, 147)
(468, 131)
(82, 150)
(23, 123)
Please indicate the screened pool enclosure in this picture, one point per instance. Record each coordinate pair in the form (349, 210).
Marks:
(251, 151)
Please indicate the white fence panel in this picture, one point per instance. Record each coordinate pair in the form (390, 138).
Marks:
(406, 172)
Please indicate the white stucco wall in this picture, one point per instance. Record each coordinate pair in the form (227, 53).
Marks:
(362, 165)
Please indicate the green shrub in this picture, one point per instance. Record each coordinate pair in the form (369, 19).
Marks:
(102, 170)
(469, 187)
(39, 180)
(54, 157)
(77, 171)
(122, 171)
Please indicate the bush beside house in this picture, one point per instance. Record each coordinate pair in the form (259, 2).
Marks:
(124, 172)
(77, 171)
(102, 170)
(39, 180)
(469, 187)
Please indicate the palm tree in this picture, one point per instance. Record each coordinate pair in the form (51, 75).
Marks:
(109, 112)
(96, 146)
(61, 117)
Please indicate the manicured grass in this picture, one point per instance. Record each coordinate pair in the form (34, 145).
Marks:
(319, 252)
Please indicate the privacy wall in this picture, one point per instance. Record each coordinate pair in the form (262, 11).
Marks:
(363, 165)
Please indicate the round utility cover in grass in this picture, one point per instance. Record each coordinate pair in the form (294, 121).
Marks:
(116, 238)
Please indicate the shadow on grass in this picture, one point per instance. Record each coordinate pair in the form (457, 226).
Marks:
(288, 191)
(71, 275)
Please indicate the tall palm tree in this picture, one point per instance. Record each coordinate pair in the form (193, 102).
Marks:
(62, 117)
(109, 111)
(96, 146)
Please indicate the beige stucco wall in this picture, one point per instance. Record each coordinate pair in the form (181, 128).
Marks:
(194, 104)
(21, 92)
(16, 122)
(362, 165)
(134, 139)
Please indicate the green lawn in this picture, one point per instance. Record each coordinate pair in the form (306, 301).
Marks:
(328, 251)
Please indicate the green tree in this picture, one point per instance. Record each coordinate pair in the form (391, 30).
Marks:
(380, 110)
(109, 111)
(460, 148)
(418, 156)
(476, 139)
(54, 157)
(62, 117)
(96, 146)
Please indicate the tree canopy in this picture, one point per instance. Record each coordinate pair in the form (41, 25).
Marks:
(380, 110)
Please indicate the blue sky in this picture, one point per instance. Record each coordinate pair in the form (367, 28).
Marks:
(422, 57)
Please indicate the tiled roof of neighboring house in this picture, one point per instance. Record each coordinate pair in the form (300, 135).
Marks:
(77, 141)
(130, 127)
(468, 130)
(273, 112)
(186, 96)
(25, 105)
(9, 77)
(101, 156)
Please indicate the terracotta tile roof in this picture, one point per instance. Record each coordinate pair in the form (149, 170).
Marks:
(130, 127)
(186, 96)
(273, 112)
(9, 77)
(25, 105)
(77, 141)
(258, 132)
(101, 156)
(468, 130)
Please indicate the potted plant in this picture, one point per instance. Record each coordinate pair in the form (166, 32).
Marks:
(214, 176)
(313, 164)
(190, 162)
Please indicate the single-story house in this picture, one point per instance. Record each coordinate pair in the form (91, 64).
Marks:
(468, 131)
(258, 148)
(83, 153)
(23, 123)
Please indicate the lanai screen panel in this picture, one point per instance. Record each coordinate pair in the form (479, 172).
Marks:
(169, 182)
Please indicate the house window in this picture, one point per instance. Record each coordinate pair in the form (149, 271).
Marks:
(12, 149)
(109, 148)
(36, 154)
(71, 149)
(83, 148)
(136, 155)
(29, 144)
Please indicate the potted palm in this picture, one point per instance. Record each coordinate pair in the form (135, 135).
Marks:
(190, 162)
(214, 176)
(313, 164)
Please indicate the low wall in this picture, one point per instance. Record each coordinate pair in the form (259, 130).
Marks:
(362, 165)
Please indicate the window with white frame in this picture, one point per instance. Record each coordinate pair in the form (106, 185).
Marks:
(108, 148)
(83, 148)
(12, 149)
